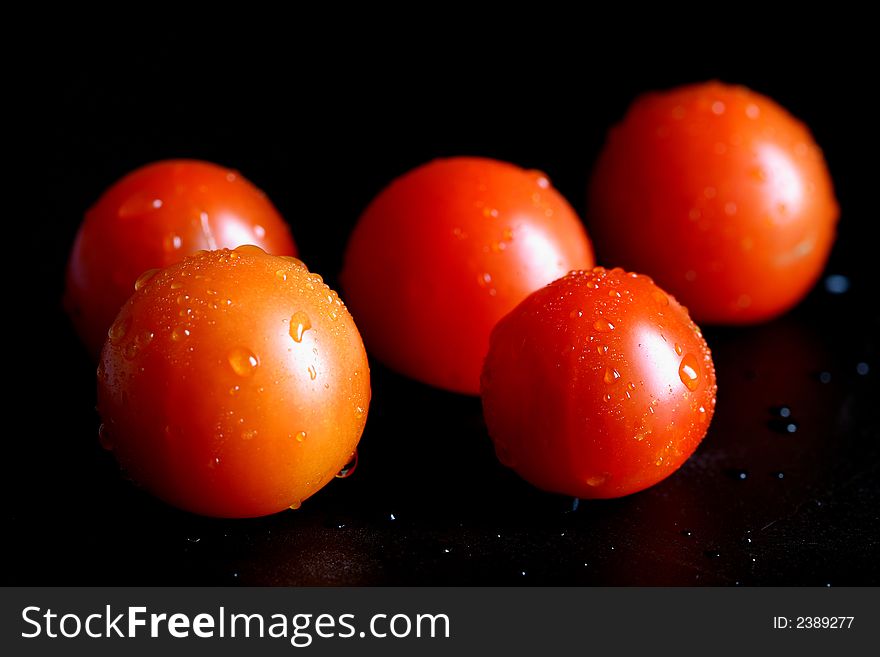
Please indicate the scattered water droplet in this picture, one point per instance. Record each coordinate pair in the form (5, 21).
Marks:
(611, 375)
(313, 373)
(104, 438)
(119, 328)
(144, 278)
(300, 436)
(677, 349)
(607, 396)
(349, 468)
(603, 325)
(503, 455)
(687, 532)
(299, 324)
(296, 505)
(574, 314)
(243, 361)
(597, 480)
(779, 475)
(172, 242)
(281, 275)
(179, 333)
(689, 372)
(249, 434)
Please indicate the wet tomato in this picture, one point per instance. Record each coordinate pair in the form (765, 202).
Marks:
(598, 385)
(719, 194)
(152, 218)
(233, 383)
(444, 252)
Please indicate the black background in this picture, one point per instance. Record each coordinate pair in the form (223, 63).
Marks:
(321, 125)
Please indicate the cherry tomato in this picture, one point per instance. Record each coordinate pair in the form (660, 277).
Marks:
(233, 383)
(719, 194)
(598, 385)
(152, 218)
(444, 252)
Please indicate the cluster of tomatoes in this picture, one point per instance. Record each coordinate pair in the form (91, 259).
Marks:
(234, 382)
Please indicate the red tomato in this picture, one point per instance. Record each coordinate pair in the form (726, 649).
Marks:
(444, 252)
(719, 194)
(598, 385)
(233, 383)
(152, 218)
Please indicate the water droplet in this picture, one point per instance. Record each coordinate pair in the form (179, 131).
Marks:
(299, 324)
(359, 411)
(300, 436)
(824, 377)
(660, 298)
(104, 438)
(597, 480)
(712, 554)
(503, 455)
(603, 325)
(781, 411)
(313, 373)
(243, 361)
(607, 396)
(703, 415)
(611, 375)
(659, 461)
(779, 475)
(862, 369)
(677, 349)
(687, 532)
(689, 372)
(119, 328)
(281, 275)
(614, 294)
(484, 279)
(179, 333)
(574, 314)
(349, 468)
(490, 212)
(601, 349)
(131, 350)
(296, 505)
(247, 249)
(541, 179)
(249, 434)
(144, 278)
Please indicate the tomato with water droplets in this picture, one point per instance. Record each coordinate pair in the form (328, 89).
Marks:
(444, 252)
(598, 385)
(152, 218)
(228, 390)
(719, 194)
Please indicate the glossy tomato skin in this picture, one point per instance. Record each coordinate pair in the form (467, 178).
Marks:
(233, 384)
(444, 252)
(720, 195)
(153, 217)
(598, 385)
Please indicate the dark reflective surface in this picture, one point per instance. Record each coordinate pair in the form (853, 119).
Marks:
(769, 498)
